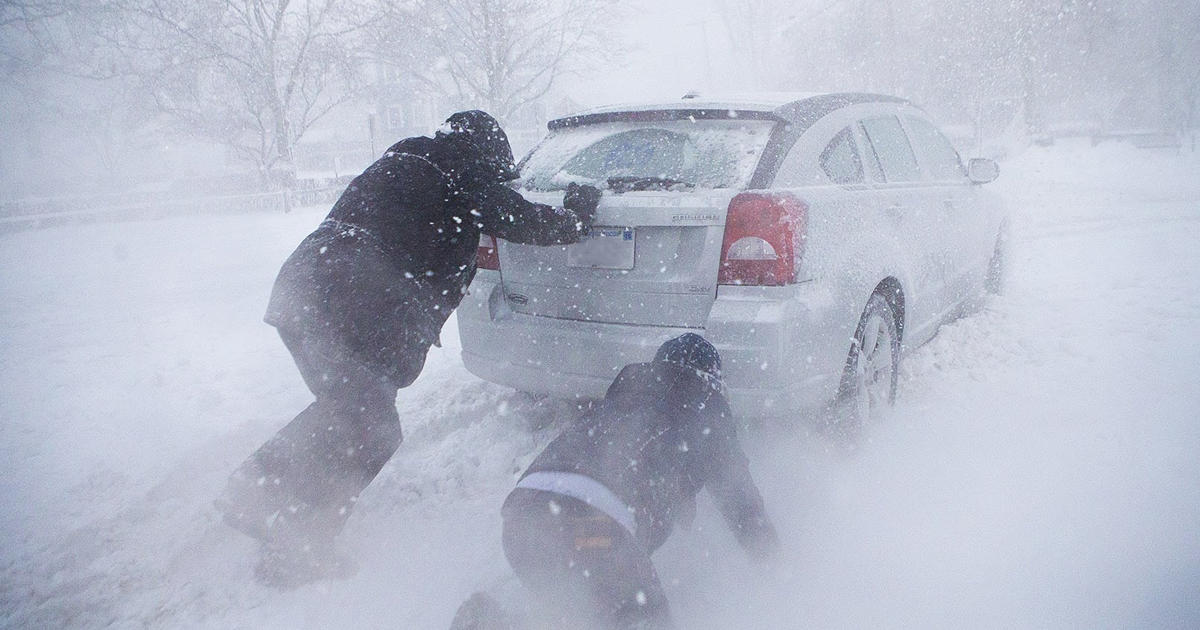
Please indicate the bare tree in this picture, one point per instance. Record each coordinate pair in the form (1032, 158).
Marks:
(1177, 51)
(1106, 61)
(253, 75)
(500, 55)
(65, 98)
(754, 29)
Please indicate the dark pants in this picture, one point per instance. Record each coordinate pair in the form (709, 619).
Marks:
(586, 566)
(313, 469)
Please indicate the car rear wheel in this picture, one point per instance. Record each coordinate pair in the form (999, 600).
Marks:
(872, 369)
(994, 281)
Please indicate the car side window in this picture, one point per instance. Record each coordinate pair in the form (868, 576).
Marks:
(938, 155)
(840, 159)
(891, 147)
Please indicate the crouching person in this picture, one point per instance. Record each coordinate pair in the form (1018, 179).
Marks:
(583, 520)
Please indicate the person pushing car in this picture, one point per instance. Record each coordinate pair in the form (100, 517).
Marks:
(585, 516)
(358, 305)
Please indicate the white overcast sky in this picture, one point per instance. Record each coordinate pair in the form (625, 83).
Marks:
(669, 44)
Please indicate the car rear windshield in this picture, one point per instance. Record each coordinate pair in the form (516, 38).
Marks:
(649, 155)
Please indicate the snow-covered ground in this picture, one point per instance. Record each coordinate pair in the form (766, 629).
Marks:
(1041, 469)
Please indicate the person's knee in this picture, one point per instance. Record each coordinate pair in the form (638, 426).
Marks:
(515, 539)
(535, 552)
(407, 367)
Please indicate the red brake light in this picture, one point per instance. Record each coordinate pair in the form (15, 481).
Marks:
(764, 239)
(488, 257)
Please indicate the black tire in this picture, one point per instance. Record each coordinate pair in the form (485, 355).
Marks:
(872, 371)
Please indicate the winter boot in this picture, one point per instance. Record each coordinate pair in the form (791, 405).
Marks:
(481, 612)
(299, 548)
(249, 504)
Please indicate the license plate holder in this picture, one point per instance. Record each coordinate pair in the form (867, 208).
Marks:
(604, 248)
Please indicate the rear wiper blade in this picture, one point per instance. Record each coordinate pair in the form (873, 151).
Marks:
(627, 183)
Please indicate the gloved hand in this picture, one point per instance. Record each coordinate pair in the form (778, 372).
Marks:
(582, 200)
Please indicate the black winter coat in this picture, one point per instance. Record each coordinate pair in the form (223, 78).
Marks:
(394, 256)
(662, 433)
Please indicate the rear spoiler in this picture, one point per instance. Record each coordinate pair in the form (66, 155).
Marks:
(660, 115)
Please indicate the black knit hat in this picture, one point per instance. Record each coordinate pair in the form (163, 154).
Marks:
(478, 134)
(690, 350)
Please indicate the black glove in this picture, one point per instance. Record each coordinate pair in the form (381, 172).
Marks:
(582, 200)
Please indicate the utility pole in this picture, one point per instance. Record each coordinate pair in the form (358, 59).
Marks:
(371, 132)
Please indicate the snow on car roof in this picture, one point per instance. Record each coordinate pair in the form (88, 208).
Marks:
(800, 107)
(747, 101)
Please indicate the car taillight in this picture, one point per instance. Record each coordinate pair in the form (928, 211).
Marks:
(764, 240)
(488, 257)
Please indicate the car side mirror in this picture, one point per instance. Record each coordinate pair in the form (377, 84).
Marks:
(982, 170)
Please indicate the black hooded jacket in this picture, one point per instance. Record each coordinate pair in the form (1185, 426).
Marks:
(395, 254)
(662, 433)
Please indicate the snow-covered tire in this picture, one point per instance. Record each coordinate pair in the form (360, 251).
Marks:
(993, 282)
(872, 371)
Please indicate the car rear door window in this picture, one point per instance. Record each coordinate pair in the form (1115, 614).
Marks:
(868, 154)
(840, 160)
(938, 155)
(892, 149)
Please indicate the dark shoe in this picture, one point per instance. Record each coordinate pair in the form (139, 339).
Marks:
(247, 505)
(251, 523)
(299, 548)
(481, 612)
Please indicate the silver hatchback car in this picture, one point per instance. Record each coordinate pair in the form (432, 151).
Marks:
(812, 239)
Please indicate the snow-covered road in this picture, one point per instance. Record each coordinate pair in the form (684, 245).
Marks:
(1041, 469)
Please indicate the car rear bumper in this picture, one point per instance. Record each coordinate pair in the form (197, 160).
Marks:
(771, 351)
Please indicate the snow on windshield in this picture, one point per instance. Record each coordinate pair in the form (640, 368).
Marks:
(705, 154)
